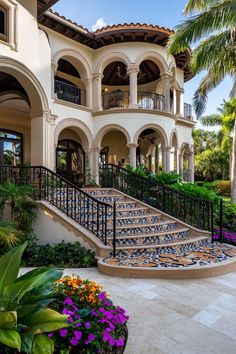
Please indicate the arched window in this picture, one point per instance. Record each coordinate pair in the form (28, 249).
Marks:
(3, 24)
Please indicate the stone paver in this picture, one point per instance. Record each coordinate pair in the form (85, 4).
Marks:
(175, 316)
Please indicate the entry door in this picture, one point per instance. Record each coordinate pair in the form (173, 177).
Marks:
(10, 148)
(70, 161)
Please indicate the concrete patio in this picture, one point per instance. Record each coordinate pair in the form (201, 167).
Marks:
(174, 316)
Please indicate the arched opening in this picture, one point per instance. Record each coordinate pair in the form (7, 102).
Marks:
(115, 86)
(114, 148)
(68, 83)
(70, 156)
(150, 90)
(150, 150)
(15, 121)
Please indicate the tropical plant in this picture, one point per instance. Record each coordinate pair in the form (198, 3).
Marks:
(198, 192)
(23, 207)
(24, 315)
(95, 324)
(226, 120)
(9, 234)
(213, 24)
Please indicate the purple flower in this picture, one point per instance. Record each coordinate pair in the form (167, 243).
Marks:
(74, 341)
(63, 332)
(102, 295)
(94, 313)
(111, 341)
(90, 339)
(70, 319)
(50, 335)
(87, 325)
(120, 342)
(68, 301)
(78, 334)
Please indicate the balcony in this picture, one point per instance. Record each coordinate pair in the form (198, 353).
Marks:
(120, 99)
(69, 93)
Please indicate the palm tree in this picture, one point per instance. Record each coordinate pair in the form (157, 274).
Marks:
(226, 119)
(213, 23)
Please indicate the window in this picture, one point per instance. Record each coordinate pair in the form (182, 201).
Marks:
(8, 23)
(3, 24)
(11, 148)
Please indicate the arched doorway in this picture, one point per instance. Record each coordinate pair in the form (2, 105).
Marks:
(70, 156)
(114, 148)
(150, 150)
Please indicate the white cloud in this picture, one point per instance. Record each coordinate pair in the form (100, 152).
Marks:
(99, 24)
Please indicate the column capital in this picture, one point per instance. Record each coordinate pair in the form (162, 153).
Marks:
(167, 76)
(167, 147)
(132, 146)
(87, 80)
(97, 76)
(54, 66)
(133, 68)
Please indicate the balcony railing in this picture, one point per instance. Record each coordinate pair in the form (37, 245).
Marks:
(188, 111)
(69, 93)
(115, 99)
(151, 100)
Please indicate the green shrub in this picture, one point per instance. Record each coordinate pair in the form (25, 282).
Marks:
(195, 191)
(229, 216)
(168, 178)
(58, 255)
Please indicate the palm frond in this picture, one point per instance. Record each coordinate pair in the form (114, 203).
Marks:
(220, 16)
(9, 235)
(208, 83)
(233, 90)
(197, 5)
(205, 54)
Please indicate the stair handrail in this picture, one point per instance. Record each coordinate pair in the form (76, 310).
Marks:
(140, 188)
(39, 175)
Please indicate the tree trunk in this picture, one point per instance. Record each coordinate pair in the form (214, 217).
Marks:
(233, 167)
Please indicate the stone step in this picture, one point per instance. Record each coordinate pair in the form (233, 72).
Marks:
(99, 191)
(155, 239)
(168, 248)
(110, 198)
(126, 204)
(137, 219)
(140, 228)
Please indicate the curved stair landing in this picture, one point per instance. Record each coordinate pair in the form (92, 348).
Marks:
(151, 244)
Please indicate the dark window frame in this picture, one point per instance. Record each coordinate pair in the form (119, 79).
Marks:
(21, 141)
(5, 36)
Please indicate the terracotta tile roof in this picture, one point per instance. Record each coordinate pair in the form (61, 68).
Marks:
(132, 25)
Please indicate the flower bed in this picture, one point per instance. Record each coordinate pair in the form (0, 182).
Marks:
(95, 324)
(228, 237)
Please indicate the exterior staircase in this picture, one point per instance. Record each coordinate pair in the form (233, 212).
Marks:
(150, 243)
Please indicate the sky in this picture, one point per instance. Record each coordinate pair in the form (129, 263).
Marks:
(168, 13)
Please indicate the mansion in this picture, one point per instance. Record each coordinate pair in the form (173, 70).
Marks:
(71, 99)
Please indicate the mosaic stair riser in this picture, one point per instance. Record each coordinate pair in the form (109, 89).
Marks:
(151, 240)
(98, 192)
(145, 220)
(152, 252)
(111, 199)
(143, 229)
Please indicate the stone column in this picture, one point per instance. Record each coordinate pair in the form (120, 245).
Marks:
(53, 72)
(179, 111)
(133, 86)
(39, 140)
(88, 165)
(166, 79)
(167, 158)
(95, 163)
(132, 154)
(97, 92)
(191, 167)
(177, 161)
(181, 164)
(89, 92)
(157, 159)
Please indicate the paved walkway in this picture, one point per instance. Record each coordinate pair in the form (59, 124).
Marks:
(175, 316)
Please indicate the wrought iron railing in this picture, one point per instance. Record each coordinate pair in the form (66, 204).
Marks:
(188, 113)
(69, 93)
(115, 99)
(91, 213)
(151, 100)
(193, 211)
